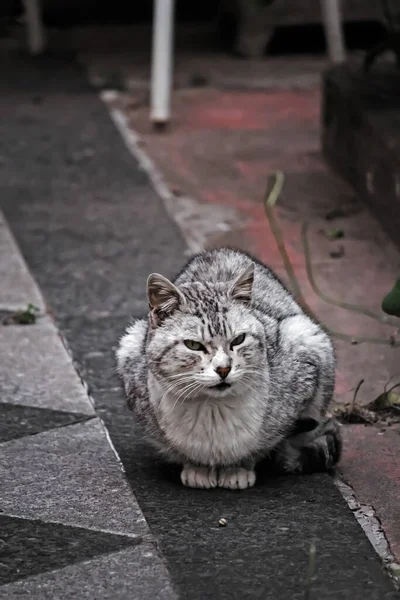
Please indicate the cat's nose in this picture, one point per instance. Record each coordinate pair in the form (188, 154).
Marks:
(223, 372)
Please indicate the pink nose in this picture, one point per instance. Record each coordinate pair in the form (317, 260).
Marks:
(223, 372)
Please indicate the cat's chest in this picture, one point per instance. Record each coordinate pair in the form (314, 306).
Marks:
(214, 432)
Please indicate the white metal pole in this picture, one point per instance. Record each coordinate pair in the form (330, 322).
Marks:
(331, 15)
(162, 58)
(34, 26)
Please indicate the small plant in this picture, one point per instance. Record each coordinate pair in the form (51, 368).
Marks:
(23, 317)
(335, 234)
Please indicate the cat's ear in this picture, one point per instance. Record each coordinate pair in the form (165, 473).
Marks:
(163, 296)
(243, 285)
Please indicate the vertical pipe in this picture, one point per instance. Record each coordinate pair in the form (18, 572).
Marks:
(331, 15)
(162, 58)
(34, 25)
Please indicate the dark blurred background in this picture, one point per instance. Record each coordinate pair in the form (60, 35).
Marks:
(361, 29)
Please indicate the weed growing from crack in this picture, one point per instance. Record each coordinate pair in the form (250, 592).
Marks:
(23, 317)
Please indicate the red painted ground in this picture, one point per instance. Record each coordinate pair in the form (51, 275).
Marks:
(372, 467)
(219, 151)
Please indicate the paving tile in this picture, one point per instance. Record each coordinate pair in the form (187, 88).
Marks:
(18, 289)
(71, 476)
(18, 421)
(211, 109)
(36, 370)
(29, 547)
(378, 487)
(132, 574)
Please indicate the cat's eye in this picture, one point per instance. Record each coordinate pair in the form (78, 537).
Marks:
(193, 345)
(238, 340)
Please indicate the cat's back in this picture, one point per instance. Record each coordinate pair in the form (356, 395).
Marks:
(225, 264)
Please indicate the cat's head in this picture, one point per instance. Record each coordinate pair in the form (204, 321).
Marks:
(204, 339)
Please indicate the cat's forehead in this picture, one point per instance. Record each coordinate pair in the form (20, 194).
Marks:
(212, 320)
(205, 294)
(205, 300)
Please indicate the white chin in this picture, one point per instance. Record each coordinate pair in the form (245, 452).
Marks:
(223, 390)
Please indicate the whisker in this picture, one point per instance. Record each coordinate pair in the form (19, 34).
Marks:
(171, 388)
(186, 390)
(177, 375)
(197, 388)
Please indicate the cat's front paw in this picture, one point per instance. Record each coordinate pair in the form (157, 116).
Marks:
(199, 477)
(236, 478)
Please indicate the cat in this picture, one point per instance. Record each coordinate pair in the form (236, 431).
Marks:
(226, 370)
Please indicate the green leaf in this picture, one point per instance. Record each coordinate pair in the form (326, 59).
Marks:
(32, 308)
(391, 302)
(23, 317)
(384, 401)
(389, 399)
(335, 234)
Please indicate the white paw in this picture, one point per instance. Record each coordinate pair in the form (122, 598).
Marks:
(236, 478)
(199, 477)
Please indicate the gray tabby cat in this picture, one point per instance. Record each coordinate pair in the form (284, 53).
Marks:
(227, 370)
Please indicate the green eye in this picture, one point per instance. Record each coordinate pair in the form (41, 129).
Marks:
(238, 340)
(193, 345)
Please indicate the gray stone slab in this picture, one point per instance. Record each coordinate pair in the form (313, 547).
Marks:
(19, 421)
(31, 547)
(132, 574)
(36, 369)
(70, 476)
(17, 289)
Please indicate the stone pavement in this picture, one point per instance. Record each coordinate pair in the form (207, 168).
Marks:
(76, 523)
(70, 525)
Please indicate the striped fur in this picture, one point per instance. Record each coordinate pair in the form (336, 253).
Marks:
(275, 398)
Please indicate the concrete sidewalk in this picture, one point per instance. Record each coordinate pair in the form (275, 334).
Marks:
(70, 525)
(91, 228)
